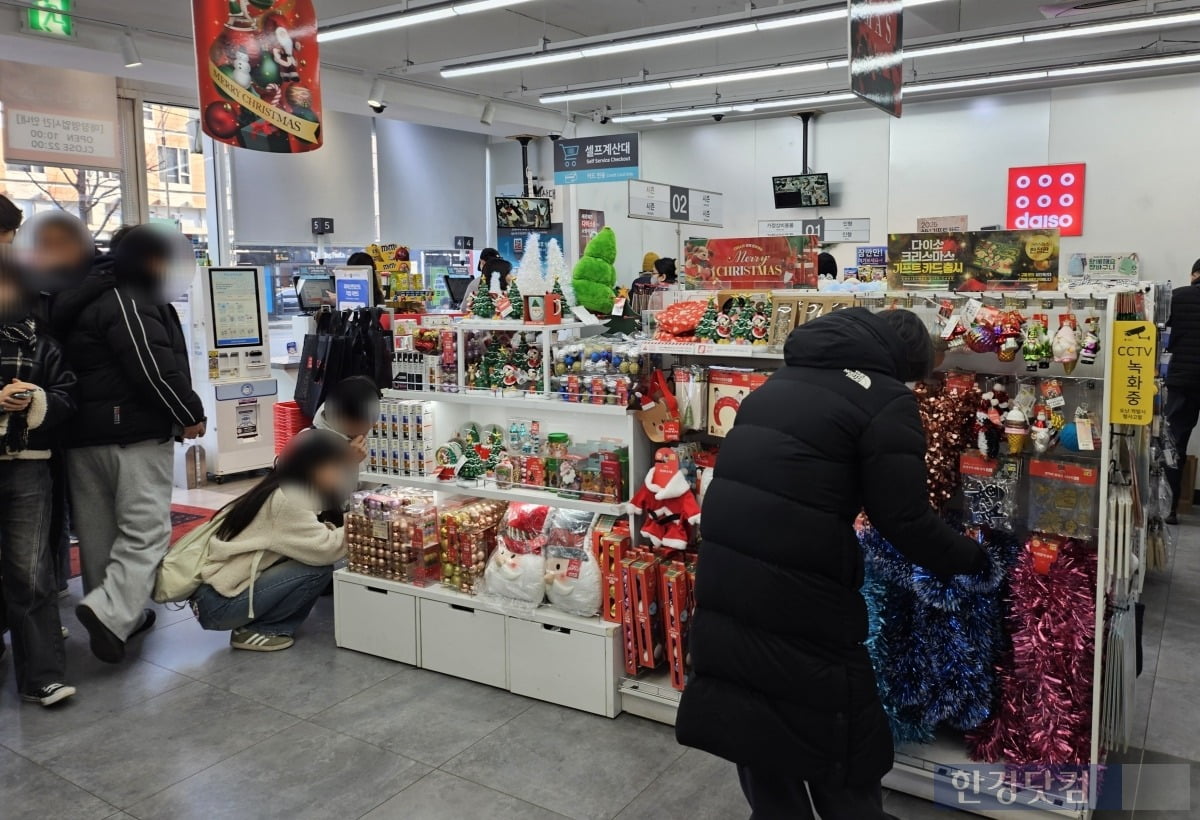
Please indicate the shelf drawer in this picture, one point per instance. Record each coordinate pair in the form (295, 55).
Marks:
(567, 667)
(459, 640)
(375, 620)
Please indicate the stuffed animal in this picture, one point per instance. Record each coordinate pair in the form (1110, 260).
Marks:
(667, 504)
(572, 574)
(517, 569)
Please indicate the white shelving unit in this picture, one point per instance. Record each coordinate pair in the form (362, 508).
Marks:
(534, 404)
(520, 495)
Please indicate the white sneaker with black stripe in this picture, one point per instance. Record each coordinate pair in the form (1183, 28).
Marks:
(49, 694)
(253, 641)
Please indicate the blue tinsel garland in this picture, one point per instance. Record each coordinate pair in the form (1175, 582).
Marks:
(933, 643)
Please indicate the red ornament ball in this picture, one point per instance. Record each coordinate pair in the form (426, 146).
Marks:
(221, 119)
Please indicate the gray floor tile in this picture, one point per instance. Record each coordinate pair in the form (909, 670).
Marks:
(424, 715)
(442, 796)
(165, 614)
(697, 786)
(133, 754)
(1151, 789)
(103, 690)
(1174, 722)
(303, 773)
(1178, 658)
(189, 650)
(306, 679)
(30, 792)
(552, 756)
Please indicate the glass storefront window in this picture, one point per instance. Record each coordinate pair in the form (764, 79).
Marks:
(176, 187)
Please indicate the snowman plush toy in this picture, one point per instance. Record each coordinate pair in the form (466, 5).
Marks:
(516, 571)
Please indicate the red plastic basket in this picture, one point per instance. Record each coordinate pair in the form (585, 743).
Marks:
(288, 422)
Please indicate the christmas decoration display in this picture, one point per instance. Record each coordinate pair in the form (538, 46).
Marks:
(990, 491)
(983, 336)
(259, 73)
(1044, 711)
(727, 388)
(467, 536)
(1065, 344)
(667, 504)
(473, 467)
(518, 304)
(947, 410)
(706, 328)
(572, 574)
(595, 277)
(760, 323)
(392, 534)
(1011, 336)
(558, 275)
(484, 305)
(517, 569)
(1016, 431)
(681, 322)
(989, 420)
(933, 643)
(1037, 350)
(1090, 347)
(741, 331)
(530, 275)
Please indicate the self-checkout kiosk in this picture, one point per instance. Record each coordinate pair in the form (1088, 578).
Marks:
(231, 368)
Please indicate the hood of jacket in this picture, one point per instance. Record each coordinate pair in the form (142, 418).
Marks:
(850, 339)
(69, 304)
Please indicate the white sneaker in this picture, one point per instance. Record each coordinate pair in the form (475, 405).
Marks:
(50, 694)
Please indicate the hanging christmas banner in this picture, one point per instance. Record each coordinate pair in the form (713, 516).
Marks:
(259, 71)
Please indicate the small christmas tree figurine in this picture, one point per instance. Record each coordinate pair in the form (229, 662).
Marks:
(742, 325)
(474, 468)
(518, 307)
(706, 330)
(558, 287)
(484, 306)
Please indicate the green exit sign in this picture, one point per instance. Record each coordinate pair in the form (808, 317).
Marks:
(51, 17)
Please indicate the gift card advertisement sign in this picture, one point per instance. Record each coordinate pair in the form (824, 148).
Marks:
(1133, 349)
(1047, 197)
(974, 261)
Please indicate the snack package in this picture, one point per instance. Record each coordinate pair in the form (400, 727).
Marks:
(572, 578)
(516, 571)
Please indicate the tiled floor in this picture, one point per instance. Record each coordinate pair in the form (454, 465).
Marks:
(187, 728)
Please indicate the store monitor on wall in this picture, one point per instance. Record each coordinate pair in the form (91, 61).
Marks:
(236, 317)
(801, 191)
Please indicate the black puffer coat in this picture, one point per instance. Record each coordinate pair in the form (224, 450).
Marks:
(1184, 371)
(781, 677)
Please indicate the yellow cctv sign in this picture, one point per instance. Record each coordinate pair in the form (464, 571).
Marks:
(1134, 345)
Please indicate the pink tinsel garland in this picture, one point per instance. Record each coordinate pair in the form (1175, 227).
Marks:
(1044, 714)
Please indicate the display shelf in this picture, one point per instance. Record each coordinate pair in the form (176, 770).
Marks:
(527, 496)
(707, 349)
(518, 324)
(548, 403)
(651, 696)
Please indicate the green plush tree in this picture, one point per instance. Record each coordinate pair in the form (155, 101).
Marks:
(595, 277)
(514, 296)
(484, 306)
(706, 330)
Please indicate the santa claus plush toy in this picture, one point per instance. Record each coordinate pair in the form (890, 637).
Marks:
(666, 503)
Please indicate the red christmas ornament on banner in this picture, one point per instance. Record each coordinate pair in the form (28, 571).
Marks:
(259, 70)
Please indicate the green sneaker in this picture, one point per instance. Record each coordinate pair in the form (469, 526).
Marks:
(253, 641)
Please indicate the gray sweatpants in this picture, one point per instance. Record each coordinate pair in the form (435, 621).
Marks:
(121, 505)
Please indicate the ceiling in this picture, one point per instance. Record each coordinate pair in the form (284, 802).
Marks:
(416, 54)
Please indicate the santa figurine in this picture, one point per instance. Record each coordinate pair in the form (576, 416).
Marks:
(758, 329)
(667, 503)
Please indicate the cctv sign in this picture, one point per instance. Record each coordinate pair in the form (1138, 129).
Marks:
(1046, 197)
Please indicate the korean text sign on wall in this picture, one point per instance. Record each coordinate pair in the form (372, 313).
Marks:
(608, 158)
(1044, 197)
(1133, 346)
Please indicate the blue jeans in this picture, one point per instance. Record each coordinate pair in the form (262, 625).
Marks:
(27, 569)
(284, 594)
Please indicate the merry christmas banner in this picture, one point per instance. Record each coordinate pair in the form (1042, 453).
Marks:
(765, 261)
(259, 70)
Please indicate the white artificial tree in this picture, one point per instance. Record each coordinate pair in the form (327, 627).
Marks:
(556, 266)
(531, 277)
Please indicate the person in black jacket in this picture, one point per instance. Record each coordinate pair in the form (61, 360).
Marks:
(1182, 408)
(35, 398)
(782, 684)
(10, 220)
(128, 350)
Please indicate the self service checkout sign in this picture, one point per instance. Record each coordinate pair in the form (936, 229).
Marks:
(1043, 197)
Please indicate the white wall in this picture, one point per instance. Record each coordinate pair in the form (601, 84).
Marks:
(1137, 138)
(432, 184)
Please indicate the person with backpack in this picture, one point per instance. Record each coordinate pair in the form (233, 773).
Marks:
(127, 347)
(265, 557)
(35, 399)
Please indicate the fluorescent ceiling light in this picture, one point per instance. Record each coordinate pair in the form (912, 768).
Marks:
(755, 74)
(662, 116)
(599, 93)
(801, 20)
(741, 108)
(411, 18)
(1117, 27)
(954, 48)
(518, 62)
(973, 82)
(669, 40)
(1129, 65)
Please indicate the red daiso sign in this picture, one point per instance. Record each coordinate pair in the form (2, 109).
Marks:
(1045, 197)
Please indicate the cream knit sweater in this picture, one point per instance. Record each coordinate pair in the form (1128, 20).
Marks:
(285, 527)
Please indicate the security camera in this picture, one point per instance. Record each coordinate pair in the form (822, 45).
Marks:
(378, 107)
(605, 120)
(718, 117)
(554, 137)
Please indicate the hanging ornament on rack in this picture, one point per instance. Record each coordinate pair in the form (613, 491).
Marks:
(1090, 348)
(989, 420)
(1037, 351)
(1066, 343)
(947, 409)
(1011, 336)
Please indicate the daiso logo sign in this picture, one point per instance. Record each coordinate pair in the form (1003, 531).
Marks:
(1045, 197)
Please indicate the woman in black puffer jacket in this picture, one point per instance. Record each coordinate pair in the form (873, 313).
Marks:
(782, 684)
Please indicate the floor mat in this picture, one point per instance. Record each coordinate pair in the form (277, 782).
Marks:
(184, 519)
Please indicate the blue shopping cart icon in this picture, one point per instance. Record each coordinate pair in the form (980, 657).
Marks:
(570, 156)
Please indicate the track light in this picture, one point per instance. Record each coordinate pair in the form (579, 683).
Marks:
(489, 113)
(129, 50)
(376, 98)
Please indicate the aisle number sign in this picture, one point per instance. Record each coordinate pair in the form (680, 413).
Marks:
(673, 203)
(1133, 347)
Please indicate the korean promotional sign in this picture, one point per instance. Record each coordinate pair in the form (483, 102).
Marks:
(974, 260)
(259, 73)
